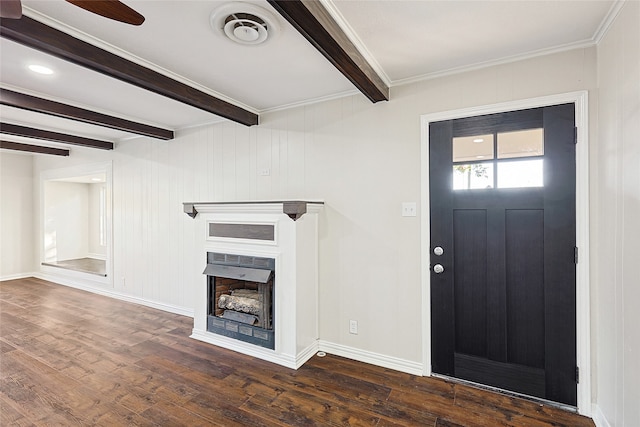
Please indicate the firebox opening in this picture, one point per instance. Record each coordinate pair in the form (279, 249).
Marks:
(241, 297)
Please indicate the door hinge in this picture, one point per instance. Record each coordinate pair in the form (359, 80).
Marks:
(575, 254)
(575, 135)
(577, 374)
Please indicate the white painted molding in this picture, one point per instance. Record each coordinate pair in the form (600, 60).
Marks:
(382, 360)
(425, 243)
(583, 279)
(312, 101)
(500, 61)
(608, 20)
(599, 34)
(17, 276)
(598, 417)
(581, 44)
(583, 316)
(307, 353)
(88, 287)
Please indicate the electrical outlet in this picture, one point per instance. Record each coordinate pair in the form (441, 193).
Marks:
(264, 172)
(353, 327)
(409, 209)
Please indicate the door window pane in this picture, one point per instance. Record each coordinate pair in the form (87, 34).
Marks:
(472, 176)
(472, 148)
(524, 173)
(523, 143)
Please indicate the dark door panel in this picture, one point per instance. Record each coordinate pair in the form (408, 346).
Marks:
(503, 309)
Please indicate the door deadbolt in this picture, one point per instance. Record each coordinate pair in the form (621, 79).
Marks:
(438, 268)
(438, 250)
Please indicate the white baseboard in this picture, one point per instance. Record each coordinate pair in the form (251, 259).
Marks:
(288, 361)
(97, 256)
(241, 347)
(307, 354)
(390, 362)
(16, 276)
(101, 290)
(598, 417)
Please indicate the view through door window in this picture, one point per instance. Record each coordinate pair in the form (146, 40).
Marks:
(500, 160)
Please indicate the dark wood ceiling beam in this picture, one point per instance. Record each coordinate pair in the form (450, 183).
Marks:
(39, 36)
(315, 23)
(29, 132)
(45, 106)
(8, 145)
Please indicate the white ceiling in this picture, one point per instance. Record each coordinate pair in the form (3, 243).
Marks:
(403, 40)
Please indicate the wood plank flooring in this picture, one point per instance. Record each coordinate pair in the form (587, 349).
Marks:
(69, 357)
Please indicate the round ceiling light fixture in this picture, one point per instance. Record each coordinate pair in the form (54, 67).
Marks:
(40, 69)
(244, 23)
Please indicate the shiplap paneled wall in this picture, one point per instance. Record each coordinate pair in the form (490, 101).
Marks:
(616, 227)
(362, 159)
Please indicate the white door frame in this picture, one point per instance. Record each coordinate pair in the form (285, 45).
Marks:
(583, 330)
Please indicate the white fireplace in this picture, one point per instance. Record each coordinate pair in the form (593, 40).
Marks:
(279, 236)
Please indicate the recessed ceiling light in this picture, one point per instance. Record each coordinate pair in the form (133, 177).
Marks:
(96, 179)
(40, 69)
(479, 157)
(478, 140)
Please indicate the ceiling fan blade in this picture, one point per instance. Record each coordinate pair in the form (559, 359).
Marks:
(112, 9)
(11, 9)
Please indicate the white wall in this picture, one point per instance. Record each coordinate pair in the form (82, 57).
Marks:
(16, 215)
(363, 159)
(616, 223)
(66, 224)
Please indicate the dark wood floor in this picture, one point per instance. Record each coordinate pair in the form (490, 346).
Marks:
(74, 358)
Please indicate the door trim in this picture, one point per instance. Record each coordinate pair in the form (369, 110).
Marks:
(583, 329)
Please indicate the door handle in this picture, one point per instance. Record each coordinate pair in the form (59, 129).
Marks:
(438, 268)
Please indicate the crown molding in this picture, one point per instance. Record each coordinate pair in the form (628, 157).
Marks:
(491, 63)
(608, 20)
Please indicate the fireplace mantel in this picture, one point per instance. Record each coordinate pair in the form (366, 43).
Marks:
(293, 208)
(265, 229)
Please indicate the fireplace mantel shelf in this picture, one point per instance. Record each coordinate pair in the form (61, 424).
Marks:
(293, 208)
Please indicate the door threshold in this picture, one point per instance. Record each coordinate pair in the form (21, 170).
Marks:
(509, 393)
